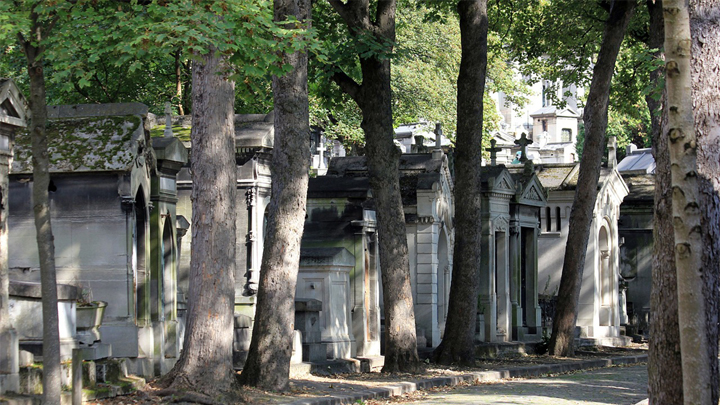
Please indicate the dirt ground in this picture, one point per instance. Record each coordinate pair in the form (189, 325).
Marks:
(316, 385)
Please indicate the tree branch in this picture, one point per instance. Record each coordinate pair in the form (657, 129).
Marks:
(347, 84)
(385, 19)
(354, 13)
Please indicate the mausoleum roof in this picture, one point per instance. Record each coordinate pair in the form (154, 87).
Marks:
(640, 161)
(13, 106)
(552, 110)
(641, 187)
(87, 138)
(559, 176)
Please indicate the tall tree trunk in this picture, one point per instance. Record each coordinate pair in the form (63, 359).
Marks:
(595, 119)
(34, 51)
(179, 82)
(374, 99)
(458, 345)
(205, 364)
(687, 218)
(664, 363)
(268, 362)
(705, 31)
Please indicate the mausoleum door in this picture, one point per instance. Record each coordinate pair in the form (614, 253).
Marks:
(167, 287)
(502, 286)
(607, 276)
(444, 277)
(139, 258)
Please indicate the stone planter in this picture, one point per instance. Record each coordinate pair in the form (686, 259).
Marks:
(89, 317)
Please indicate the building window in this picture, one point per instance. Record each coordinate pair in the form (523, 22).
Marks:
(548, 220)
(544, 125)
(566, 135)
(558, 223)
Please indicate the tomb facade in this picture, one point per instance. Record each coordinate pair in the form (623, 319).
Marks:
(112, 197)
(635, 229)
(13, 110)
(511, 204)
(599, 314)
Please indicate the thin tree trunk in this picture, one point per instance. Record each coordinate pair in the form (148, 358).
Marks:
(41, 206)
(179, 83)
(664, 363)
(268, 362)
(595, 119)
(374, 99)
(458, 343)
(705, 31)
(205, 364)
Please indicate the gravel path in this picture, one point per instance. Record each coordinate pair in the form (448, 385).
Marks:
(614, 385)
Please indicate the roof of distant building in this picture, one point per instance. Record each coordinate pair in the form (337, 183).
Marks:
(637, 161)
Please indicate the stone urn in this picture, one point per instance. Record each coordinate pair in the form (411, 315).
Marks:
(88, 319)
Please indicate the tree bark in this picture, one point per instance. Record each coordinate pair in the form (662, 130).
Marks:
(374, 99)
(705, 32)
(581, 216)
(664, 363)
(458, 344)
(687, 217)
(179, 82)
(268, 362)
(205, 364)
(34, 52)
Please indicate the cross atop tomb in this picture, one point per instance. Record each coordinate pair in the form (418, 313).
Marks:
(523, 142)
(493, 152)
(321, 152)
(168, 121)
(612, 151)
(437, 153)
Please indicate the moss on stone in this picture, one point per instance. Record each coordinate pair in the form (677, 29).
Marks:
(181, 133)
(92, 143)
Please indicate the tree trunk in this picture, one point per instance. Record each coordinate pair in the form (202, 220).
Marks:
(268, 362)
(374, 99)
(458, 343)
(179, 82)
(581, 216)
(383, 162)
(664, 363)
(41, 207)
(205, 364)
(705, 31)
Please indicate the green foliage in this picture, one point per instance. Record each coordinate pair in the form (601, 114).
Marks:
(425, 66)
(110, 51)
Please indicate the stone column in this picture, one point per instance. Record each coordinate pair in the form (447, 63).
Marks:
(515, 278)
(9, 363)
(426, 307)
(488, 297)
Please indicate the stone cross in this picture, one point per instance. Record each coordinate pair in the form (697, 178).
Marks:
(437, 153)
(168, 121)
(493, 152)
(612, 152)
(523, 142)
(321, 152)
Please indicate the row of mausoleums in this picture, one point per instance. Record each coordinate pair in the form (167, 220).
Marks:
(120, 200)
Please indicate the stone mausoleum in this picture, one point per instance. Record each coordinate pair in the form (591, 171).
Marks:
(112, 198)
(600, 313)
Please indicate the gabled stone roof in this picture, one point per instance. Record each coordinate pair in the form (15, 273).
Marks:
(87, 138)
(560, 176)
(13, 106)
